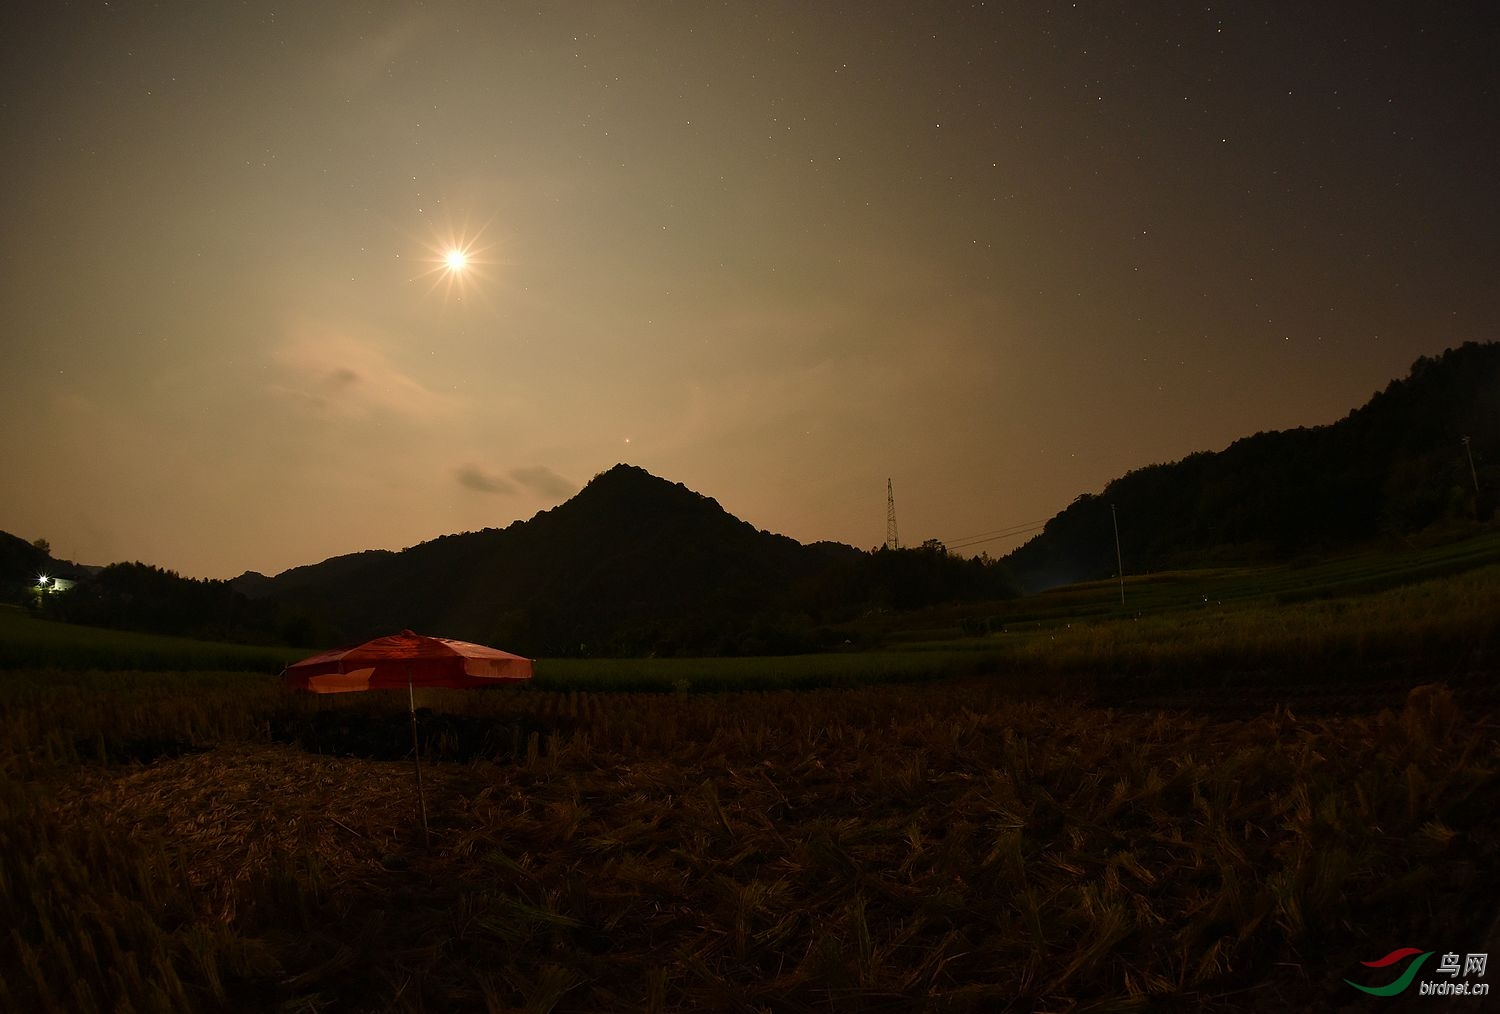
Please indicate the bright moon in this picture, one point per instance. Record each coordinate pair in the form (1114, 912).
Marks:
(456, 260)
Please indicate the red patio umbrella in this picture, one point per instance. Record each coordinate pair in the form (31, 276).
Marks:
(407, 660)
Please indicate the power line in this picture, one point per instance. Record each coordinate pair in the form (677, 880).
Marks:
(1024, 530)
(993, 538)
(991, 533)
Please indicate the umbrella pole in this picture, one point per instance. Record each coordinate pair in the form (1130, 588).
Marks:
(416, 754)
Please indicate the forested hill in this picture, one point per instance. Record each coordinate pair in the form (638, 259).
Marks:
(632, 564)
(1394, 466)
(629, 548)
(636, 564)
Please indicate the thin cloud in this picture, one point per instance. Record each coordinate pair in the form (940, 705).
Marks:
(542, 481)
(475, 478)
(538, 480)
(340, 376)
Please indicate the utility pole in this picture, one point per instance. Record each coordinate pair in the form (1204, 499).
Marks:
(1119, 560)
(1472, 474)
(891, 540)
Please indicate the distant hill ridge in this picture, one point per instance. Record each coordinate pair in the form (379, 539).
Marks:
(624, 547)
(635, 564)
(630, 564)
(1394, 466)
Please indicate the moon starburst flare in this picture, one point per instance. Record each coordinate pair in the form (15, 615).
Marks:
(458, 262)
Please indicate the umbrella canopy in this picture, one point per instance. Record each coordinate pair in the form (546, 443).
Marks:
(403, 660)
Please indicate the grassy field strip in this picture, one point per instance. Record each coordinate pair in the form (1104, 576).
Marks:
(29, 642)
(26, 642)
(1354, 575)
(1438, 627)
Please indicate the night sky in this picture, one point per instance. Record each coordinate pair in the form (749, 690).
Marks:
(998, 253)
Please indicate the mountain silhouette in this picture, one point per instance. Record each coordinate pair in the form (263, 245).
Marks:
(1394, 466)
(633, 561)
(635, 564)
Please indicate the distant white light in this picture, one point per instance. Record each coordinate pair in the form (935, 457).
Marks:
(456, 259)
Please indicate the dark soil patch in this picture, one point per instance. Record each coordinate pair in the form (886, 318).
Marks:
(445, 737)
(1245, 695)
(136, 750)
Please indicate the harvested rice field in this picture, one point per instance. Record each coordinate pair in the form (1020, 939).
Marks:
(185, 842)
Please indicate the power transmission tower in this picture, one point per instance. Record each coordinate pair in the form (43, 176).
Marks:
(891, 539)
